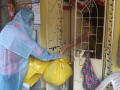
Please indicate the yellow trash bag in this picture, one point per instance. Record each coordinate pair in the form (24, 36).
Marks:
(35, 70)
(57, 72)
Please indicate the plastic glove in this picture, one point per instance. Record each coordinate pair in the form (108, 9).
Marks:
(59, 56)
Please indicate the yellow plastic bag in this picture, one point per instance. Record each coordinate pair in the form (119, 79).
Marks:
(58, 71)
(35, 70)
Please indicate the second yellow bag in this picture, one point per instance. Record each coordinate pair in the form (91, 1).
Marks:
(35, 70)
(58, 71)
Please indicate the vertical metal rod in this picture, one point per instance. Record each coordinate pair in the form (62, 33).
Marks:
(112, 40)
(75, 29)
(51, 29)
(112, 36)
(55, 31)
(61, 22)
(47, 24)
(96, 29)
(89, 25)
(104, 37)
(75, 38)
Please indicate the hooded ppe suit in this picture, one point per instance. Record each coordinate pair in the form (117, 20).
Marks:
(16, 44)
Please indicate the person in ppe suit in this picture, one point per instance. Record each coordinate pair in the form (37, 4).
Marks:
(16, 44)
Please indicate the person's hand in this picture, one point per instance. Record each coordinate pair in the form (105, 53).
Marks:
(64, 49)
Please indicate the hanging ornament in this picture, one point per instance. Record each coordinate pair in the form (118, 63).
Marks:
(72, 2)
(100, 2)
(91, 5)
(66, 5)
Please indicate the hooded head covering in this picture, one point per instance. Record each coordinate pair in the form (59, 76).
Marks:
(25, 17)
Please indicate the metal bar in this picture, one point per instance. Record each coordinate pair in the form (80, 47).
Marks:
(59, 24)
(85, 50)
(92, 17)
(104, 40)
(112, 40)
(46, 23)
(81, 30)
(84, 26)
(112, 36)
(88, 26)
(55, 30)
(84, 42)
(89, 23)
(96, 27)
(75, 29)
(51, 43)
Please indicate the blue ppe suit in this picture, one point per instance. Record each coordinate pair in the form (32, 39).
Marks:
(16, 44)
